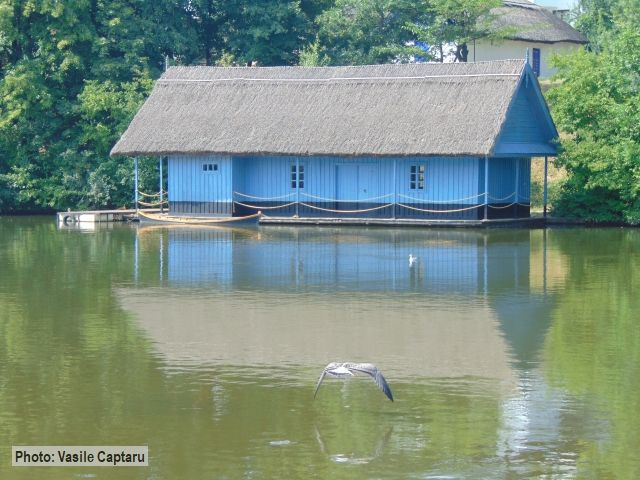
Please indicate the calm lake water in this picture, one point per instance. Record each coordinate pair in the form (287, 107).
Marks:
(511, 353)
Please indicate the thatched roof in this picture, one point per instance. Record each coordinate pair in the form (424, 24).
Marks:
(391, 110)
(533, 23)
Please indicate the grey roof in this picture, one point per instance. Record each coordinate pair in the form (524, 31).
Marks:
(534, 23)
(391, 110)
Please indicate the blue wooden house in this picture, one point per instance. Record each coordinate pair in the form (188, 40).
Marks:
(382, 142)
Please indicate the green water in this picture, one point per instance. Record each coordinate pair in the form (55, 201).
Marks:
(511, 353)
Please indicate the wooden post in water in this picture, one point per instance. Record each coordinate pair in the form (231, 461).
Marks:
(544, 192)
(486, 187)
(517, 189)
(135, 181)
(136, 253)
(161, 258)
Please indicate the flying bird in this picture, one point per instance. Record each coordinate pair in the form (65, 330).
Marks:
(347, 369)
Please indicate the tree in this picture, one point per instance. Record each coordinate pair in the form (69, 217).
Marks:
(356, 32)
(598, 105)
(208, 20)
(270, 32)
(456, 23)
(53, 54)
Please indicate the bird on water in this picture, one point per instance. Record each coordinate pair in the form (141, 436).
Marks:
(347, 369)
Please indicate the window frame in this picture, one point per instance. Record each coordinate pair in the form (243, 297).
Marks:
(417, 176)
(297, 176)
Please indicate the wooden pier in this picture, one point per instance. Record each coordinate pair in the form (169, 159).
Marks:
(529, 222)
(92, 217)
(96, 216)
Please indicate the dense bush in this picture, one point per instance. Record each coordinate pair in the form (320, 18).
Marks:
(597, 103)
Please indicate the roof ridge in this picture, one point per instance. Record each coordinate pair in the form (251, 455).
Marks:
(334, 67)
(331, 79)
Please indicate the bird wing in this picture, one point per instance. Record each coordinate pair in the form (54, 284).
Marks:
(322, 375)
(371, 370)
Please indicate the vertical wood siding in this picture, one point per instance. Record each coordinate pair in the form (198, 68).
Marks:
(524, 123)
(334, 185)
(524, 188)
(502, 180)
(503, 186)
(194, 191)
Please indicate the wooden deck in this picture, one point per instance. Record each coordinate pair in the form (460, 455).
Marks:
(108, 216)
(532, 222)
(98, 216)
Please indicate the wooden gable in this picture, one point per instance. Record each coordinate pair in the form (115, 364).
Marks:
(528, 129)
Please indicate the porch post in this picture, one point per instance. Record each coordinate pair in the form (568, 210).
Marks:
(161, 184)
(135, 181)
(297, 187)
(486, 187)
(395, 187)
(544, 192)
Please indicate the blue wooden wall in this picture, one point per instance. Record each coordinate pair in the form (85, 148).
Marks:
(334, 186)
(195, 191)
(447, 178)
(333, 183)
(528, 129)
(503, 182)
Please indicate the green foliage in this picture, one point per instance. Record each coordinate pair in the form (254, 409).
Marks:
(594, 19)
(537, 194)
(597, 19)
(358, 32)
(207, 20)
(456, 22)
(598, 105)
(72, 76)
(312, 56)
(269, 32)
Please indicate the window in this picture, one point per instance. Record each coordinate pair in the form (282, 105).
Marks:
(209, 167)
(536, 61)
(297, 176)
(416, 177)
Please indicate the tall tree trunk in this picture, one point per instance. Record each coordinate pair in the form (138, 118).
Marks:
(462, 52)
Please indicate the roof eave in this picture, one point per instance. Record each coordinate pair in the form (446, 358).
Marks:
(298, 154)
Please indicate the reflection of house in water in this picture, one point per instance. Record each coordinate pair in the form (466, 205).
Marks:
(473, 310)
(448, 261)
(465, 307)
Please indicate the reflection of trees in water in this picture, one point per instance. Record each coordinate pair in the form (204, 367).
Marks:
(592, 349)
(73, 368)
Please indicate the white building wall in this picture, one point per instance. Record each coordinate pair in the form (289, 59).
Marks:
(484, 50)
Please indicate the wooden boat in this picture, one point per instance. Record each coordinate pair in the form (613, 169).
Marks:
(164, 218)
